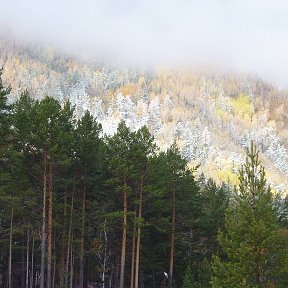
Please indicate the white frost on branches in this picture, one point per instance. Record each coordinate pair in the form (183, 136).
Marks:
(154, 115)
(278, 154)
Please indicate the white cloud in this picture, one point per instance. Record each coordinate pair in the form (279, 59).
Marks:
(244, 35)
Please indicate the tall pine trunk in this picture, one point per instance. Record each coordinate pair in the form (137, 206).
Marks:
(71, 266)
(70, 233)
(105, 256)
(81, 263)
(22, 270)
(172, 243)
(116, 281)
(10, 251)
(139, 233)
(50, 220)
(62, 261)
(27, 259)
(54, 262)
(133, 252)
(32, 264)
(43, 228)
(124, 236)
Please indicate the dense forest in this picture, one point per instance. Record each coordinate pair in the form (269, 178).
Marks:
(79, 208)
(212, 115)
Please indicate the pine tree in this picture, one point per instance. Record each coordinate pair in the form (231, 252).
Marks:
(119, 152)
(255, 246)
(143, 149)
(4, 118)
(87, 144)
(204, 274)
(5, 134)
(189, 279)
(214, 202)
(169, 177)
(5, 175)
(42, 133)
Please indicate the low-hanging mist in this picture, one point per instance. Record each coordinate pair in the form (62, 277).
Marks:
(245, 36)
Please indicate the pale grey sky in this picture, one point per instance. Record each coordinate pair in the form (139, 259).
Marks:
(249, 36)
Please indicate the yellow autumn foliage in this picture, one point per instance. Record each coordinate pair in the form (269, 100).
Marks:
(221, 113)
(127, 89)
(242, 106)
(226, 175)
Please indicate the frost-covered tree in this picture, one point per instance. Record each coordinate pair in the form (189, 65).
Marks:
(79, 98)
(127, 110)
(113, 80)
(168, 102)
(205, 145)
(224, 102)
(250, 92)
(98, 82)
(110, 125)
(179, 128)
(111, 107)
(96, 109)
(191, 138)
(58, 94)
(188, 145)
(197, 131)
(278, 154)
(236, 160)
(144, 95)
(245, 139)
(154, 115)
(142, 113)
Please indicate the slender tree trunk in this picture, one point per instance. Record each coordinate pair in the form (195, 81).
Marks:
(139, 233)
(32, 264)
(62, 262)
(124, 236)
(153, 278)
(54, 263)
(27, 259)
(23, 264)
(10, 251)
(116, 274)
(50, 220)
(43, 229)
(133, 253)
(81, 263)
(172, 244)
(110, 279)
(71, 266)
(105, 256)
(70, 233)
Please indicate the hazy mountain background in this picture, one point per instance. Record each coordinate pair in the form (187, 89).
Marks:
(211, 115)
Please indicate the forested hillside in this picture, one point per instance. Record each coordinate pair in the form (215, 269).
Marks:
(80, 208)
(212, 116)
(129, 177)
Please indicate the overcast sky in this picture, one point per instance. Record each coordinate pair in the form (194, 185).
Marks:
(249, 36)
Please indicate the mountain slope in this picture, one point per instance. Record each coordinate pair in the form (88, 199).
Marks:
(212, 116)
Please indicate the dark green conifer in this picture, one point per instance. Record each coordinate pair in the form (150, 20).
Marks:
(254, 244)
